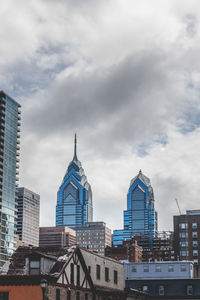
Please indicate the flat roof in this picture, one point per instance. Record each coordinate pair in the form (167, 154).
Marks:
(2, 92)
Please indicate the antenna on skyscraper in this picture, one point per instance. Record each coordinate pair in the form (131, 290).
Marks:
(178, 205)
(75, 142)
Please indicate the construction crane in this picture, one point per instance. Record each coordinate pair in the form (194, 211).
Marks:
(178, 206)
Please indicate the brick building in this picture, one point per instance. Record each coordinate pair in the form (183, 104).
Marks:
(129, 250)
(187, 236)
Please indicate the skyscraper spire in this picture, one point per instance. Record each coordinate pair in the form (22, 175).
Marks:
(75, 155)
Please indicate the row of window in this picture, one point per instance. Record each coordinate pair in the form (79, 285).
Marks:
(98, 274)
(162, 290)
(158, 268)
(186, 253)
(185, 244)
(185, 225)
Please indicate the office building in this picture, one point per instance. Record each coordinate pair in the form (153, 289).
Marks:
(9, 159)
(95, 236)
(28, 216)
(140, 218)
(128, 251)
(74, 198)
(60, 236)
(187, 236)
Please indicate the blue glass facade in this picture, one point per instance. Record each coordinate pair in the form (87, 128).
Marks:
(74, 198)
(9, 146)
(140, 218)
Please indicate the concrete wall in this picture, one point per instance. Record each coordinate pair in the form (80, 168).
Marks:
(130, 274)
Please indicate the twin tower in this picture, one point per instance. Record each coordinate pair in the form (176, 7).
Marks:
(74, 204)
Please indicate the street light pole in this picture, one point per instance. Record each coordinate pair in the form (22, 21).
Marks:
(43, 284)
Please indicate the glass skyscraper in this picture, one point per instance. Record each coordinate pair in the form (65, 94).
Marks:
(9, 146)
(74, 198)
(140, 218)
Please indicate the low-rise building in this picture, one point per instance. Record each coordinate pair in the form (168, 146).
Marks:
(56, 236)
(158, 270)
(94, 236)
(129, 251)
(57, 273)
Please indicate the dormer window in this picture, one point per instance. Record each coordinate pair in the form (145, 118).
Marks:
(34, 267)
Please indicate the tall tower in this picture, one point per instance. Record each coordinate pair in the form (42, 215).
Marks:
(140, 218)
(9, 152)
(74, 198)
(28, 216)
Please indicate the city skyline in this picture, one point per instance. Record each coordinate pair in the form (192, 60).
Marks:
(125, 77)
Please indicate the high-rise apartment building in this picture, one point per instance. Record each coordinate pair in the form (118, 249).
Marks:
(60, 236)
(187, 236)
(28, 216)
(95, 236)
(140, 218)
(9, 152)
(74, 198)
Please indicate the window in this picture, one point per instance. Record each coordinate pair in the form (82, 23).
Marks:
(183, 244)
(89, 269)
(72, 273)
(34, 267)
(145, 288)
(170, 268)
(183, 225)
(86, 296)
(161, 290)
(158, 269)
(115, 277)
(194, 234)
(57, 294)
(134, 268)
(78, 275)
(195, 243)
(106, 274)
(77, 295)
(195, 252)
(4, 295)
(189, 290)
(146, 268)
(184, 253)
(183, 268)
(194, 225)
(183, 235)
(98, 272)
(68, 295)
(195, 261)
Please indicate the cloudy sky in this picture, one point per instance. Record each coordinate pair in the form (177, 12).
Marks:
(124, 75)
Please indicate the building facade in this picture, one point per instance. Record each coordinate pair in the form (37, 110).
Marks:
(95, 236)
(60, 236)
(28, 216)
(187, 236)
(159, 270)
(63, 274)
(74, 198)
(128, 251)
(9, 159)
(140, 218)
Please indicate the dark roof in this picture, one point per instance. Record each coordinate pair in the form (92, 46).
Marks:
(18, 259)
(25, 279)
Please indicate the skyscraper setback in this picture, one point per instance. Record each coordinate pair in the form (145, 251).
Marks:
(9, 152)
(74, 198)
(140, 218)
